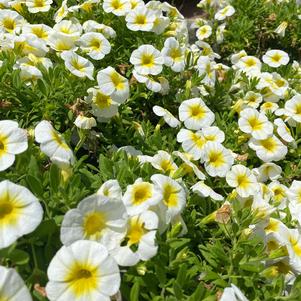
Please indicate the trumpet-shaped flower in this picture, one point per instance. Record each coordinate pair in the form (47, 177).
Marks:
(10, 21)
(269, 149)
(12, 286)
(139, 242)
(147, 60)
(268, 171)
(167, 116)
(117, 7)
(13, 141)
(82, 271)
(173, 196)
(36, 6)
(254, 123)
(96, 218)
(140, 196)
(111, 83)
(283, 131)
(164, 162)
(20, 213)
(140, 18)
(206, 191)
(225, 12)
(242, 179)
(218, 160)
(78, 65)
(204, 32)
(193, 143)
(275, 58)
(292, 108)
(111, 189)
(174, 55)
(195, 114)
(95, 45)
(53, 144)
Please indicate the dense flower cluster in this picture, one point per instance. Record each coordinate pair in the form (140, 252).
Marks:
(118, 222)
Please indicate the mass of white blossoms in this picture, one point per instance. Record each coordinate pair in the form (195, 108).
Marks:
(123, 144)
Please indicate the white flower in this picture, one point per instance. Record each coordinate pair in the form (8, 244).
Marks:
(41, 31)
(69, 29)
(10, 21)
(292, 108)
(149, 81)
(13, 141)
(275, 58)
(252, 99)
(93, 26)
(254, 123)
(140, 18)
(237, 56)
(20, 213)
(218, 160)
(283, 131)
(161, 22)
(269, 149)
(213, 133)
(195, 114)
(78, 65)
(12, 286)
(268, 171)
(173, 196)
(249, 64)
(111, 83)
(83, 122)
(206, 68)
(193, 143)
(140, 196)
(117, 7)
(53, 144)
(268, 107)
(242, 179)
(220, 33)
(82, 271)
(206, 191)
(233, 293)
(280, 30)
(36, 6)
(95, 45)
(204, 32)
(173, 55)
(164, 162)
(167, 116)
(96, 218)
(147, 60)
(141, 235)
(111, 189)
(61, 13)
(225, 12)
(103, 106)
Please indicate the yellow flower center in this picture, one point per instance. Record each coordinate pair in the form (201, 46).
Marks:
(9, 24)
(295, 245)
(197, 111)
(269, 144)
(273, 226)
(243, 181)
(216, 158)
(140, 19)
(298, 109)
(175, 54)
(135, 232)
(141, 193)
(166, 165)
(102, 101)
(255, 123)
(82, 279)
(147, 60)
(94, 223)
(276, 57)
(39, 32)
(116, 4)
(59, 140)
(95, 44)
(39, 3)
(250, 62)
(10, 209)
(117, 81)
(3, 143)
(170, 197)
(77, 65)
(199, 141)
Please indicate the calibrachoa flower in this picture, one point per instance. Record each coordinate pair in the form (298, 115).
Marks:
(53, 144)
(82, 271)
(167, 116)
(95, 218)
(13, 141)
(205, 191)
(111, 189)
(140, 196)
(112, 84)
(117, 7)
(195, 114)
(12, 287)
(139, 242)
(20, 213)
(140, 18)
(147, 60)
(275, 58)
(222, 14)
(242, 179)
(173, 196)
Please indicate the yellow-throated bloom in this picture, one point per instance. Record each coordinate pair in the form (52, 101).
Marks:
(140, 196)
(13, 141)
(20, 213)
(82, 271)
(242, 179)
(195, 114)
(12, 286)
(275, 58)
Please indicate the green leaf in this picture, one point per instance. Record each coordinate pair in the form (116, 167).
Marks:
(35, 185)
(54, 177)
(134, 295)
(19, 257)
